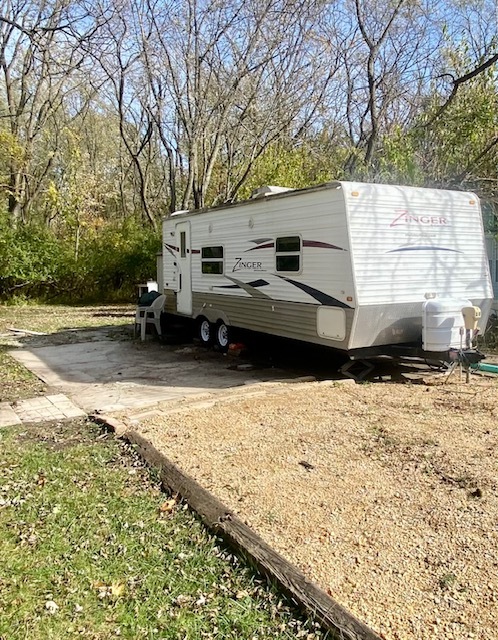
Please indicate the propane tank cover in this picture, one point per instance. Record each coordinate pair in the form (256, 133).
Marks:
(471, 316)
(442, 321)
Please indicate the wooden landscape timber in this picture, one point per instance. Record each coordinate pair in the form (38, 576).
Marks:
(220, 520)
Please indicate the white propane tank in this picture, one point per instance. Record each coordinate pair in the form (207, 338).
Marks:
(441, 322)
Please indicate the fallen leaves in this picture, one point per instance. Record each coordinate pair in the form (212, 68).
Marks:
(182, 600)
(167, 506)
(51, 607)
(118, 589)
(115, 589)
(40, 480)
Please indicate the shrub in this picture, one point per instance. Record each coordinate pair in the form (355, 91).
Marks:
(119, 258)
(40, 263)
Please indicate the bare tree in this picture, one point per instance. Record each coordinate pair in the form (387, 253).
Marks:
(201, 89)
(471, 50)
(41, 45)
(226, 80)
(387, 52)
(124, 63)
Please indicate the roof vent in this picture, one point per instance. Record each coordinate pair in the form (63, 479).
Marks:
(268, 190)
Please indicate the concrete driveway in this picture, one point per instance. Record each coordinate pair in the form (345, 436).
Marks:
(106, 374)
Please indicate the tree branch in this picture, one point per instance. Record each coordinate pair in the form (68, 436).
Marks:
(457, 83)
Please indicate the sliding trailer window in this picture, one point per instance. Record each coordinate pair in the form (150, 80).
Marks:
(288, 253)
(212, 260)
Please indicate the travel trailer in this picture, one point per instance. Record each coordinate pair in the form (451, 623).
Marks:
(344, 264)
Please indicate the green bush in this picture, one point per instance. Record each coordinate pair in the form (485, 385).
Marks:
(30, 259)
(120, 257)
(39, 263)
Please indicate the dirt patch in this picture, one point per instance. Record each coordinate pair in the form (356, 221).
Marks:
(384, 494)
(57, 435)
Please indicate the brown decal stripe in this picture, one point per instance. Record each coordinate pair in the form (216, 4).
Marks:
(316, 244)
(268, 245)
(321, 245)
(261, 240)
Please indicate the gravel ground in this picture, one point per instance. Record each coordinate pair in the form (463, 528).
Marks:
(384, 494)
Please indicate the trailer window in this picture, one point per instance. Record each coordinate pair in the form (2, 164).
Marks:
(288, 253)
(183, 244)
(212, 260)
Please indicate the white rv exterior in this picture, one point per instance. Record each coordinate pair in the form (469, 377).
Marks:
(343, 264)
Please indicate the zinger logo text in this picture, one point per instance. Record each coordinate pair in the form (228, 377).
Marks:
(404, 218)
(247, 265)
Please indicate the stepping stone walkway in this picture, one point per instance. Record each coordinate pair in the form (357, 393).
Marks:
(41, 409)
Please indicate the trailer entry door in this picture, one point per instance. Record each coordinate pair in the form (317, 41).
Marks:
(184, 265)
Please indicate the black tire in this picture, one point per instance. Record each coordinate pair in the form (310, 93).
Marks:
(222, 336)
(205, 332)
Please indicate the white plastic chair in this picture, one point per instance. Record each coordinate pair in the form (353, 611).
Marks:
(150, 315)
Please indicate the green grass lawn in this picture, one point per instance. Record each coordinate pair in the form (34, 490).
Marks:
(91, 548)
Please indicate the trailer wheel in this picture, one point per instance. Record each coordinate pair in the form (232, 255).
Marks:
(205, 331)
(222, 336)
